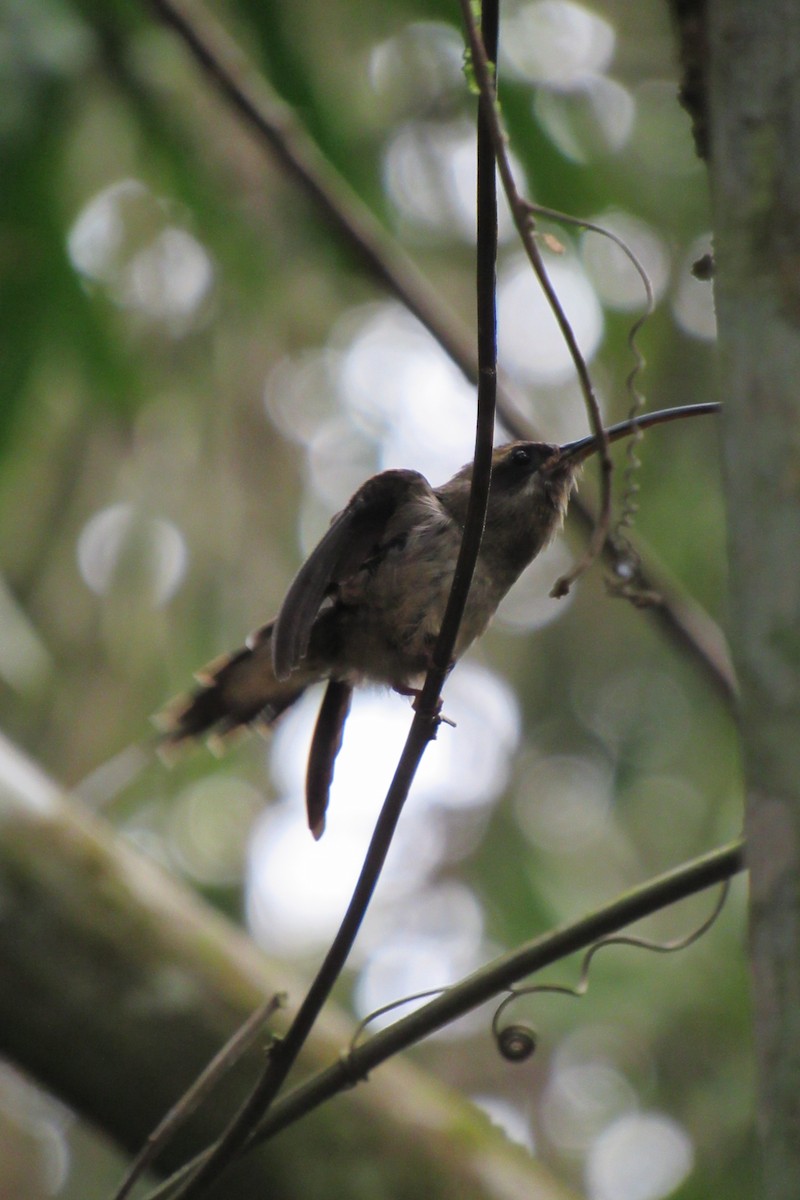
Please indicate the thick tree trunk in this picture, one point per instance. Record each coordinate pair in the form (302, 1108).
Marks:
(754, 99)
(118, 985)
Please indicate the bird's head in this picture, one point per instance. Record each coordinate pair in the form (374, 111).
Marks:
(528, 498)
(531, 486)
(532, 483)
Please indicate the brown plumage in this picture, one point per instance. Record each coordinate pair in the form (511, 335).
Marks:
(368, 603)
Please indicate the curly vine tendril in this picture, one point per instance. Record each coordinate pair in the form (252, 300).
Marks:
(517, 1041)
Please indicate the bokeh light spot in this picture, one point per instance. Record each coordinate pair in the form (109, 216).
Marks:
(124, 241)
(529, 338)
(297, 888)
(564, 802)
(580, 1100)
(430, 941)
(617, 281)
(119, 541)
(210, 824)
(429, 173)
(169, 279)
(557, 42)
(404, 391)
(301, 394)
(417, 66)
(640, 1156)
(589, 121)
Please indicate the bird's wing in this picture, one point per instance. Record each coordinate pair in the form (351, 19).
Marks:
(353, 536)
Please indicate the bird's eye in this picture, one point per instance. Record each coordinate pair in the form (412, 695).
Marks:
(521, 456)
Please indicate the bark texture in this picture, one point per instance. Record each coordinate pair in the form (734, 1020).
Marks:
(755, 171)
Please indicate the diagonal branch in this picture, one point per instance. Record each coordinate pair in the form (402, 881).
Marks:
(497, 976)
(484, 985)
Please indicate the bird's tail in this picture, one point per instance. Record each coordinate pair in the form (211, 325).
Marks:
(234, 691)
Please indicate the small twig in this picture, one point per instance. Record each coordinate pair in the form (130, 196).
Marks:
(241, 1041)
(484, 985)
(400, 1002)
(630, 582)
(524, 1038)
(522, 214)
(554, 214)
(486, 290)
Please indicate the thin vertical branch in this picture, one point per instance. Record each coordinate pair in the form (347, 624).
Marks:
(486, 292)
(283, 1054)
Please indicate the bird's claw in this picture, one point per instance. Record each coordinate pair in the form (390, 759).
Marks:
(403, 690)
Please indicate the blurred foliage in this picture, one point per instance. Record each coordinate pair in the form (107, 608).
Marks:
(136, 360)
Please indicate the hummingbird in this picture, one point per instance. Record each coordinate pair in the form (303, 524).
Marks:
(368, 603)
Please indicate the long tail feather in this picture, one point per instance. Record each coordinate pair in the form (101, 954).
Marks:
(325, 745)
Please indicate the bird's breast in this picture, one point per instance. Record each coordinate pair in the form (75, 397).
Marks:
(392, 611)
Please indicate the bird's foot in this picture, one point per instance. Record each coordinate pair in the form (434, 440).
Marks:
(403, 690)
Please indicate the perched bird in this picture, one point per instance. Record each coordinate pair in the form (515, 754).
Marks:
(368, 603)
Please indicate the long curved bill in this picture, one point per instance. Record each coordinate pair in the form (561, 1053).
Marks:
(576, 452)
